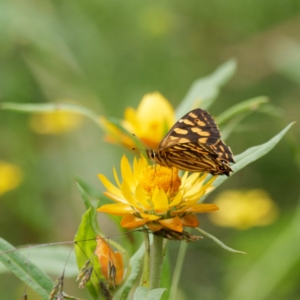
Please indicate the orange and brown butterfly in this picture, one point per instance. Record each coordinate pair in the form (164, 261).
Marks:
(194, 144)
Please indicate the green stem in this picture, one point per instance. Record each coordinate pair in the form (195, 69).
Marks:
(145, 282)
(177, 271)
(156, 262)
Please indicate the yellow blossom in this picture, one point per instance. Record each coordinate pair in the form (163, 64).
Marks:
(55, 122)
(156, 196)
(149, 122)
(244, 209)
(10, 177)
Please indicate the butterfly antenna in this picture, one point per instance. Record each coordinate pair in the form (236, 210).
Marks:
(140, 142)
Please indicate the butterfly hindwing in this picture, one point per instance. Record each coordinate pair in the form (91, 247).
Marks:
(223, 151)
(193, 157)
(197, 126)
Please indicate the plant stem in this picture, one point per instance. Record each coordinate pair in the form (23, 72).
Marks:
(146, 269)
(177, 271)
(156, 262)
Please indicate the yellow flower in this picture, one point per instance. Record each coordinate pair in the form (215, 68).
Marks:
(111, 262)
(156, 196)
(55, 122)
(244, 209)
(10, 177)
(149, 122)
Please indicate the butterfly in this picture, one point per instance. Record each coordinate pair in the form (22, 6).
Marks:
(194, 144)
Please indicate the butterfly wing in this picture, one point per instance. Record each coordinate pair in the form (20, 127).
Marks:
(223, 151)
(197, 126)
(193, 157)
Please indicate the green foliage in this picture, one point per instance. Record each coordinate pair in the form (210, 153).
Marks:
(85, 245)
(22, 267)
(205, 90)
(142, 293)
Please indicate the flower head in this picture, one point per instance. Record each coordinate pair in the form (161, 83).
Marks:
(55, 122)
(244, 209)
(10, 177)
(149, 122)
(156, 196)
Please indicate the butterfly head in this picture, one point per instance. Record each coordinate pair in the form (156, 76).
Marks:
(223, 168)
(151, 154)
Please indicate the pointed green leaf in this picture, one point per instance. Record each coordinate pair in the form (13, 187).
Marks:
(245, 106)
(51, 107)
(253, 154)
(142, 293)
(27, 272)
(156, 294)
(50, 259)
(84, 250)
(205, 90)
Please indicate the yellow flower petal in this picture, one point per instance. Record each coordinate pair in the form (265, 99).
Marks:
(177, 199)
(160, 202)
(141, 197)
(116, 177)
(127, 193)
(154, 226)
(244, 209)
(172, 223)
(115, 198)
(10, 177)
(131, 221)
(190, 220)
(196, 208)
(127, 173)
(55, 122)
(117, 209)
(192, 179)
(150, 217)
(111, 188)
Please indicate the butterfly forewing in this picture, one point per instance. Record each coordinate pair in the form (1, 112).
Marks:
(196, 126)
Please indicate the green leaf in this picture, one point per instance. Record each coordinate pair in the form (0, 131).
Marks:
(142, 293)
(253, 154)
(27, 272)
(284, 251)
(51, 107)
(156, 294)
(50, 259)
(84, 250)
(89, 189)
(86, 200)
(118, 124)
(245, 106)
(205, 90)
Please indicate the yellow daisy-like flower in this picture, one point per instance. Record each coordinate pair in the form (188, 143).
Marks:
(55, 122)
(244, 209)
(10, 177)
(156, 196)
(149, 122)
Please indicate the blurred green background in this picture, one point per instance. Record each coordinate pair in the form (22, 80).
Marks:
(106, 55)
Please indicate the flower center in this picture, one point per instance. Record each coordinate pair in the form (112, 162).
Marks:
(163, 178)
